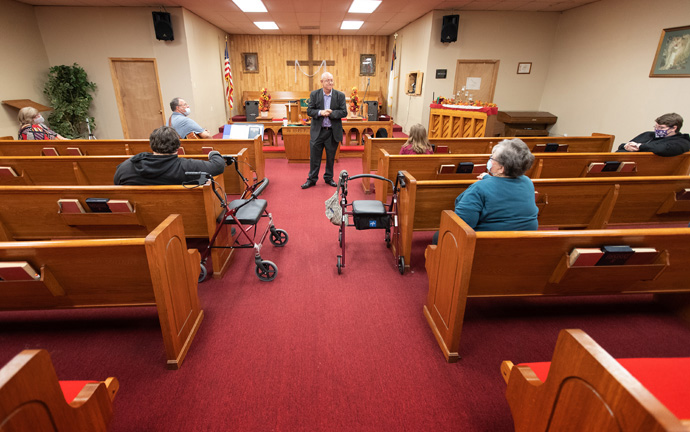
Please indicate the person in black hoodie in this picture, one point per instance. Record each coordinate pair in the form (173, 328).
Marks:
(163, 167)
(665, 140)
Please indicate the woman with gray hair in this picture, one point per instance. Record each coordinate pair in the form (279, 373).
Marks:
(31, 126)
(503, 198)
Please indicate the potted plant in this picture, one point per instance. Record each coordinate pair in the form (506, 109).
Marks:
(69, 93)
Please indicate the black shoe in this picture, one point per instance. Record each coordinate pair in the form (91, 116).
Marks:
(331, 183)
(308, 184)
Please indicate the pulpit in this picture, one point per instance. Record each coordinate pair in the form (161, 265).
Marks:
(293, 110)
(526, 123)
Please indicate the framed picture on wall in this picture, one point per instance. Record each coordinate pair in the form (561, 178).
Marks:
(367, 64)
(250, 62)
(524, 67)
(672, 58)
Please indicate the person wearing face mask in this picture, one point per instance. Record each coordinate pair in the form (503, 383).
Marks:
(31, 126)
(183, 125)
(503, 198)
(665, 140)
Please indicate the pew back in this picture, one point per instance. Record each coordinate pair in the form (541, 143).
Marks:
(597, 143)
(155, 270)
(591, 203)
(33, 213)
(546, 165)
(536, 263)
(94, 170)
(254, 152)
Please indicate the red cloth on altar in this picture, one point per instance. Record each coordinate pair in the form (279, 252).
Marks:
(488, 110)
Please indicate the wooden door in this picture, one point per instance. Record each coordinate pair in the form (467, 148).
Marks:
(480, 74)
(138, 94)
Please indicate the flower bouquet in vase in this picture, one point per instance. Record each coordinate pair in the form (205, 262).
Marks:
(264, 102)
(354, 104)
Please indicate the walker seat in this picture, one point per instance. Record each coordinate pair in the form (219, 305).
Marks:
(370, 214)
(249, 213)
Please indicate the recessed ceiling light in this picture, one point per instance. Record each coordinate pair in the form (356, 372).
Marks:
(266, 25)
(364, 6)
(351, 25)
(250, 5)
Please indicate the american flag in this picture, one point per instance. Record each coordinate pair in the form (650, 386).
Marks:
(227, 74)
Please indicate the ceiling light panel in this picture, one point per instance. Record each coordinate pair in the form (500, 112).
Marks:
(364, 6)
(266, 25)
(250, 5)
(351, 25)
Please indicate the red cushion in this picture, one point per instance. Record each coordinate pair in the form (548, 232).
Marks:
(273, 149)
(666, 378)
(70, 389)
(352, 148)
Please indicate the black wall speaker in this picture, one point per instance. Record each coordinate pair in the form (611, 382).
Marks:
(163, 26)
(372, 110)
(449, 31)
(251, 109)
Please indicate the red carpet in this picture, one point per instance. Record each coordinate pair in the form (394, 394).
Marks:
(315, 351)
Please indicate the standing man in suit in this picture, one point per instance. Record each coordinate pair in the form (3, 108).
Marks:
(326, 108)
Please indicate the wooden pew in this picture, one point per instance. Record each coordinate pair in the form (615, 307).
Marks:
(31, 398)
(466, 264)
(546, 165)
(587, 389)
(581, 203)
(597, 143)
(157, 270)
(33, 213)
(255, 155)
(95, 170)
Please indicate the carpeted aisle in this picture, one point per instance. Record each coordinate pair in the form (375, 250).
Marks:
(314, 350)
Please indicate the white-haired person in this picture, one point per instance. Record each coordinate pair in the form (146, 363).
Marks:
(503, 198)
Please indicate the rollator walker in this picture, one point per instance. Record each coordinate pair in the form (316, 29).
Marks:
(245, 214)
(371, 214)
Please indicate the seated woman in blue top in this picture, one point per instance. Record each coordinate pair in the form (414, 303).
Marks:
(503, 199)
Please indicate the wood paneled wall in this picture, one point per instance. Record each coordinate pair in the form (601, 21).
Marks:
(275, 51)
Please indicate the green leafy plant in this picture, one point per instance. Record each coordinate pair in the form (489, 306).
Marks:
(69, 92)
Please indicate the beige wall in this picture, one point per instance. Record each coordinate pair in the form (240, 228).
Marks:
(25, 64)
(122, 32)
(510, 37)
(599, 74)
(206, 49)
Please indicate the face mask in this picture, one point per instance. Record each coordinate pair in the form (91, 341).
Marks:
(187, 111)
(38, 120)
(489, 165)
(661, 133)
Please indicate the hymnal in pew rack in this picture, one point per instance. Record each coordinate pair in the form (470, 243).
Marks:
(647, 269)
(7, 172)
(17, 271)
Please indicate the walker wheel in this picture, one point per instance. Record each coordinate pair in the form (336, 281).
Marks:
(203, 274)
(340, 264)
(266, 271)
(279, 237)
(401, 264)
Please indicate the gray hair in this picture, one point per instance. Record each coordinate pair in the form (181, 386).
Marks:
(26, 115)
(514, 155)
(174, 104)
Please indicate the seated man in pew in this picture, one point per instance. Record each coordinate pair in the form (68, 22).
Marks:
(665, 140)
(163, 167)
(184, 126)
(504, 198)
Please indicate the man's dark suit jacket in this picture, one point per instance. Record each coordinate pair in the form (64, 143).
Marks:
(338, 108)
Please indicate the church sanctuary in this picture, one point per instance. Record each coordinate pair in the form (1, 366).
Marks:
(357, 215)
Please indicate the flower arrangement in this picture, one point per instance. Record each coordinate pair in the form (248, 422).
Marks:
(478, 103)
(354, 100)
(264, 100)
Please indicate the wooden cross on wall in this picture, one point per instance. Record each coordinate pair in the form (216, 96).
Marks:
(311, 63)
